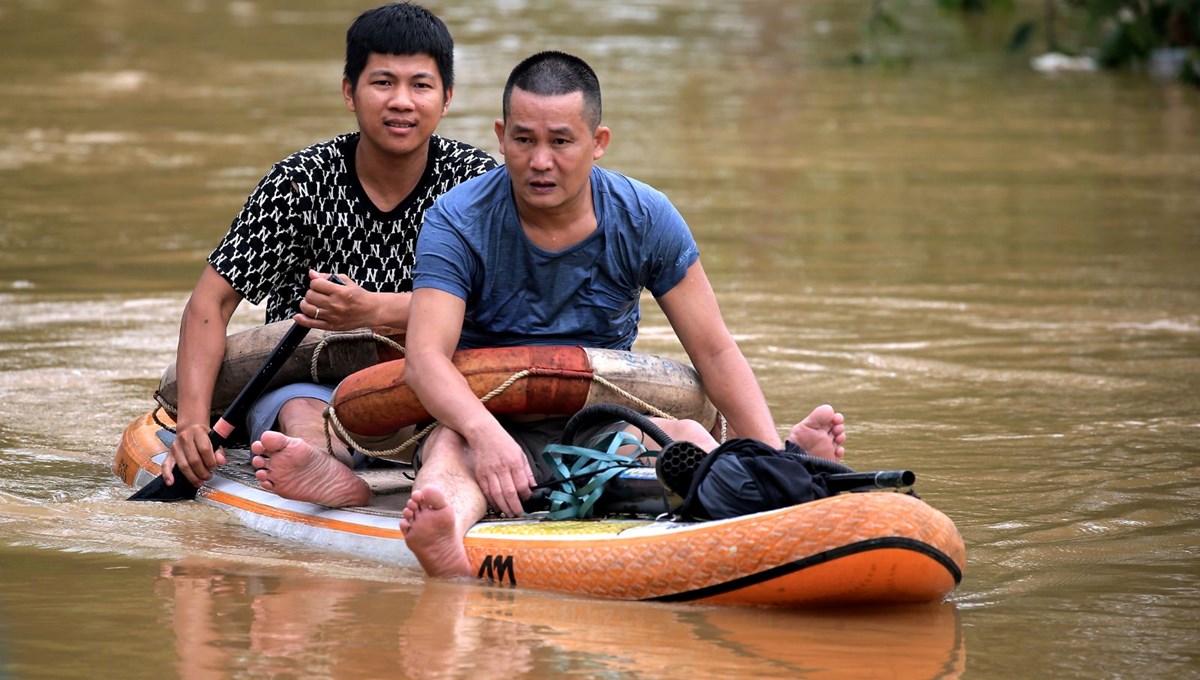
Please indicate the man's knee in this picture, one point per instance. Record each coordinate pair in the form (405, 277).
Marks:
(302, 406)
(443, 444)
(687, 430)
(300, 412)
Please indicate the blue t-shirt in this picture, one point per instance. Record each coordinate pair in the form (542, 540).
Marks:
(472, 246)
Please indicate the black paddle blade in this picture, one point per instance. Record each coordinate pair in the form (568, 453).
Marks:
(158, 490)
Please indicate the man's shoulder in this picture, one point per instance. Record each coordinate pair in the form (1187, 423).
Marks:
(461, 158)
(478, 194)
(618, 182)
(321, 155)
(627, 192)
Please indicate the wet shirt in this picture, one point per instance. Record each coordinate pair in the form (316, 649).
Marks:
(310, 211)
(472, 246)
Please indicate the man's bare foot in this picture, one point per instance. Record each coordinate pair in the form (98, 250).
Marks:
(821, 434)
(428, 525)
(293, 469)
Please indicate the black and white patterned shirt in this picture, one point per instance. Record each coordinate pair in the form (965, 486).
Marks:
(310, 211)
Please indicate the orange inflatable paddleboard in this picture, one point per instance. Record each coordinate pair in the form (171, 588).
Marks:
(848, 549)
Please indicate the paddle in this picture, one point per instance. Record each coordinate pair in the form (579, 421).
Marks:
(183, 489)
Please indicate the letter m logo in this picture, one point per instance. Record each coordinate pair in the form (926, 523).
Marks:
(496, 567)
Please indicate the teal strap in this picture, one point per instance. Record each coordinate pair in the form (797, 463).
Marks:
(597, 467)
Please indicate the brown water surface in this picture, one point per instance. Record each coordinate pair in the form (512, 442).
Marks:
(991, 272)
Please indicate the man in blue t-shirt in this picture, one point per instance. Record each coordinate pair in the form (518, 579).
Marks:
(550, 249)
(523, 290)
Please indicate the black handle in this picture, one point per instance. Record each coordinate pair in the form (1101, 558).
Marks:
(182, 489)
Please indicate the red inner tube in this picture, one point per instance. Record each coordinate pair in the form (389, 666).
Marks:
(376, 401)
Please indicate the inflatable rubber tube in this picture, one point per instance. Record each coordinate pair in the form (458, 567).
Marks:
(343, 353)
(550, 380)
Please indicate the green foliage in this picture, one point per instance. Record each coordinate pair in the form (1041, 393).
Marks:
(1022, 35)
(1163, 35)
(1131, 31)
(880, 25)
(974, 6)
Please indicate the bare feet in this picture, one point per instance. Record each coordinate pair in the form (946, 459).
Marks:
(429, 528)
(293, 469)
(821, 434)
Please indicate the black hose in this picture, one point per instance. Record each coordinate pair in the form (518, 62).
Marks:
(816, 464)
(591, 415)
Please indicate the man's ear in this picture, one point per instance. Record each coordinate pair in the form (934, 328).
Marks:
(500, 134)
(446, 104)
(348, 93)
(601, 138)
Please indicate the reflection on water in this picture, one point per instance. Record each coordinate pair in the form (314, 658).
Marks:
(224, 620)
(212, 618)
(990, 272)
(460, 627)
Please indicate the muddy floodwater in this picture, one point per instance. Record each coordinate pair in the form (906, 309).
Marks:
(993, 273)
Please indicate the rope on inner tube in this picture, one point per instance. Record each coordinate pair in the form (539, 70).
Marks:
(158, 421)
(164, 405)
(345, 436)
(650, 408)
(339, 336)
(332, 422)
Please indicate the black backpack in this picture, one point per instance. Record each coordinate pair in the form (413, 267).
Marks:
(742, 476)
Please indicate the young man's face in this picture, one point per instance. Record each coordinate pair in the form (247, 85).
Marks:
(549, 149)
(398, 102)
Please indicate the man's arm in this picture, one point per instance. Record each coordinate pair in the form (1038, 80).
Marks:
(198, 360)
(499, 463)
(691, 307)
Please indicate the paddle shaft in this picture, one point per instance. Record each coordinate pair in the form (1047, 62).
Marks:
(183, 489)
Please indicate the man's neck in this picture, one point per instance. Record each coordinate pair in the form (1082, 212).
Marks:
(562, 227)
(389, 179)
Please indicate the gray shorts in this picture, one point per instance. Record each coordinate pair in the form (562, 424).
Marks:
(534, 436)
(265, 412)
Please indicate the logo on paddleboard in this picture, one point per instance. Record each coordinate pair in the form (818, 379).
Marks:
(496, 568)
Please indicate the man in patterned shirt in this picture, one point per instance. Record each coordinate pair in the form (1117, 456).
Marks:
(351, 206)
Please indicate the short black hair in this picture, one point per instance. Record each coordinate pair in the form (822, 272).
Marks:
(553, 73)
(400, 28)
